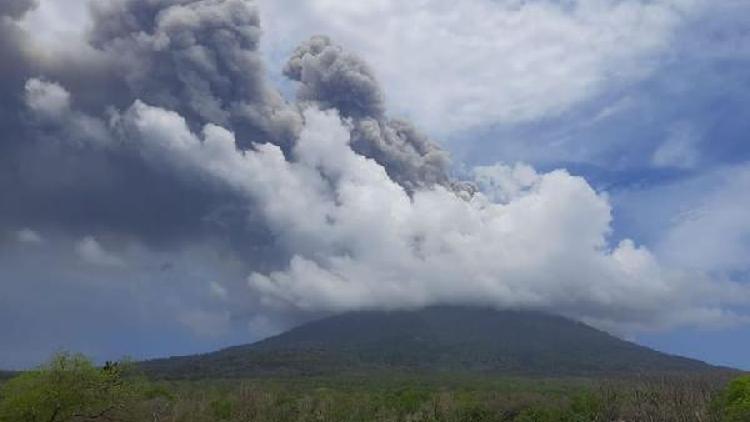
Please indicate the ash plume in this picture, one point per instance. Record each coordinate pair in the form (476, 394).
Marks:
(335, 79)
(199, 58)
(165, 131)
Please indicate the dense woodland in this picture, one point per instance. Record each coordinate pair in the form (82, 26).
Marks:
(71, 388)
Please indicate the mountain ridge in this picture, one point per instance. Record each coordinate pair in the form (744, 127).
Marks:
(432, 339)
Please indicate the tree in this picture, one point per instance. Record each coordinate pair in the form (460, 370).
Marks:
(70, 388)
(735, 402)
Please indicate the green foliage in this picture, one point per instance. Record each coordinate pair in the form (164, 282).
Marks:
(540, 414)
(734, 403)
(222, 409)
(406, 400)
(70, 388)
(443, 399)
(585, 407)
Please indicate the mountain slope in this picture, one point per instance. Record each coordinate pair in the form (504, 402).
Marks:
(443, 338)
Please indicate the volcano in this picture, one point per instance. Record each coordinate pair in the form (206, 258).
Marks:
(439, 339)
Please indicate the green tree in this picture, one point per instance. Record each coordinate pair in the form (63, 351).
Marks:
(735, 402)
(70, 388)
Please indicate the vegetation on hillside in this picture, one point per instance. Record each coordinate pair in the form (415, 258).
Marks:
(433, 339)
(71, 388)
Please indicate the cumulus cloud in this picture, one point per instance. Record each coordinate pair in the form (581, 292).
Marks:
(455, 65)
(359, 240)
(92, 252)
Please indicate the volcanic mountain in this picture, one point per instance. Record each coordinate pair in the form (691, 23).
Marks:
(434, 339)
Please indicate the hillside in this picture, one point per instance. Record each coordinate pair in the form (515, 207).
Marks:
(435, 339)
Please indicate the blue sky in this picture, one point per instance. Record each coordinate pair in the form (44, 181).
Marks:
(649, 102)
(699, 98)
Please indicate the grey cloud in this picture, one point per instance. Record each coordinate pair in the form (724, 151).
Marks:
(199, 58)
(408, 156)
(16, 8)
(333, 78)
(62, 168)
(92, 252)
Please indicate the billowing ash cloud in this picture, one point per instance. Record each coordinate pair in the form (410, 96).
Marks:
(333, 78)
(327, 202)
(51, 176)
(199, 58)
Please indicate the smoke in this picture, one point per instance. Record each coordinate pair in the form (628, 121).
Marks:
(199, 58)
(334, 79)
(328, 203)
(16, 8)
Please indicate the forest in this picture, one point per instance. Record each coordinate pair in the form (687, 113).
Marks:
(71, 387)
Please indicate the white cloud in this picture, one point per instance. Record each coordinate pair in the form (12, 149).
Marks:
(455, 65)
(91, 252)
(358, 240)
(712, 233)
(204, 323)
(48, 99)
(679, 150)
(502, 183)
(58, 25)
(29, 236)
